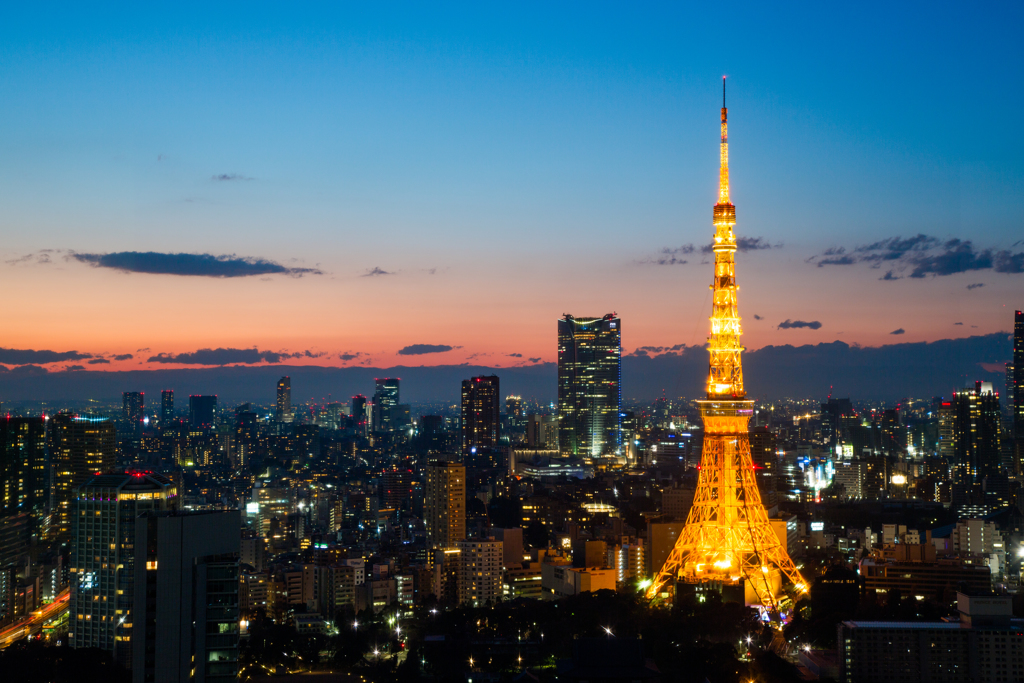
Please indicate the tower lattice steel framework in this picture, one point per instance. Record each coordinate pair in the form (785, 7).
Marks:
(728, 538)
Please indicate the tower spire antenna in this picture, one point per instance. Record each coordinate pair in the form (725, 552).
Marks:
(723, 92)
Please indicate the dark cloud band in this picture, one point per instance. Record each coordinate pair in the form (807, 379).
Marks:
(195, 265)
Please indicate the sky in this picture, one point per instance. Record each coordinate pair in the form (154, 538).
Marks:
(419, 184)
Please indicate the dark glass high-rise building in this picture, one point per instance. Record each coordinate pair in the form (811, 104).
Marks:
(201, 411)
(359, 413)
(481, 421)
(185, 611)
(385, 404)
(166, 408)
(132, 412)
(284, 400)
(976, 437)
(589, 391)
(80, 447)
(1018, 387)
(23, 480)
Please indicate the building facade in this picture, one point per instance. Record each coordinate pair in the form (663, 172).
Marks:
(23, 480)
(480, 567)
(104, 517)
(80, 447)
(185, 606)
(481, 421)
(284, 400)
(589, 391)
(444, 504)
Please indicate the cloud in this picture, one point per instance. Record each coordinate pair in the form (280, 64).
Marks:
(958, 257)
(126, 356)
(746, 244)
(73, 368)
(222, 356)
(98, 361)
(41, 257)
(757, 317)
(420, 349)
(844, 260)
(533, 360)
(923, 255)
(42, 357)
(515, 355)
(200, 265)
(898, 331)
(975, 285)
(228, 177)
(31, 370)
(376, 270)
(958, 323)
(348, 355)
(790, 324)
(1005, 262)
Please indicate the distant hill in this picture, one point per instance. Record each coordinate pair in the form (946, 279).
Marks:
(888, 372)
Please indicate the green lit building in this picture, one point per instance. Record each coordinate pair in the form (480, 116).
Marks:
(589, 391)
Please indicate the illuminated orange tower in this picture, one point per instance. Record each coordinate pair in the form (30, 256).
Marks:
(728, 539)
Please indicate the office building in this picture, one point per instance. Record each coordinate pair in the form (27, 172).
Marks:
(23, 478)
(514, 411)
(985, 644)
(947, 418)
(766, 464)
(1018, 387)
(589, 391)
(480, 565)
(976, 439)
(247, 440)
(104, 518)
(542, 432)
(359, 414)
(835, 415)
(201, 411)
(186, 603)
(444, 504)
(481, 421)
(284, 401)
(166, 408)
(80, 447)
(385, 404)
(133, 412)
(923, 576)
(396, 487)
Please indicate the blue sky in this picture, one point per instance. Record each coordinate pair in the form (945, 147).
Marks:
(538, 155)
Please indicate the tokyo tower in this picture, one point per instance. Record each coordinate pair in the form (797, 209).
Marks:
(728, 540)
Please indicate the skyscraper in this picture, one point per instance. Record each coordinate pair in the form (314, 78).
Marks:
(23, 480)
(359, 413)
(80, 447)
(444, 504)
(976, 439)
(166, 408)
(185, 604)
(385, 404)
(1018, 388)
(132, 413)
(104, 515)
(481, 421)
(589, 391)
(284, 400)
(201, 411)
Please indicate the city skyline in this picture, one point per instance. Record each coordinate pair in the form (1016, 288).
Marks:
(388, 164)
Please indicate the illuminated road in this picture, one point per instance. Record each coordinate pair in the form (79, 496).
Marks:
(32, 625)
